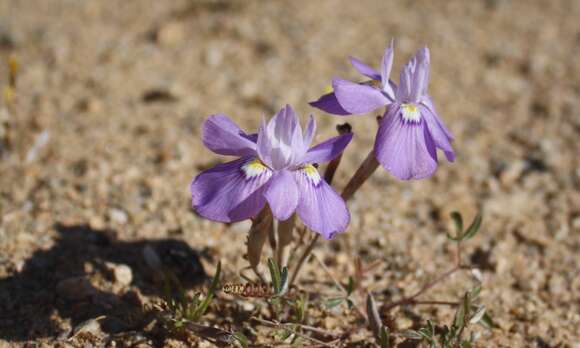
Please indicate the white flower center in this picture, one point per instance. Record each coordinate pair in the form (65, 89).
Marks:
(410, 112)
(312, 173)
(254, 168)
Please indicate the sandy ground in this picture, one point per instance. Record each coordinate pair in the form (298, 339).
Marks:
(102, 140)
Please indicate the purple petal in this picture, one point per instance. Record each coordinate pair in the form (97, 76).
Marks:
(425, 56)
(223, 136)
(232, 191)
(279, 141)
(437, 132)
(329, 103)
(320, 207)
(282, 195)
(429, 104)
(297, 143)
(357, 98)
(310, 131)
(328, 150)
(405, 81)
(251, 137)
(386, 66)
(365, 69)
(420, 74)
(405, 149)
(264, 145)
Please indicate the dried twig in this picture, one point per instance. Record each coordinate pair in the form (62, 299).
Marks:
(337, 283)
(411, 300)
(290, 327)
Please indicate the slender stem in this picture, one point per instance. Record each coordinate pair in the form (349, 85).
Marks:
(338, 285)
(303, 258)
(436, 303)
(426, 287)
(366, 169)
(411, 299)
(290, 327)
(303, 326)
(327, 271)
(285, 237)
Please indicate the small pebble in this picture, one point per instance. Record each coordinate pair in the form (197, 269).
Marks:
(122, 274)
(75, 288)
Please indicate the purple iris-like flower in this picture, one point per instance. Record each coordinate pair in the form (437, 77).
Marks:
(276, 166)
(411, 130)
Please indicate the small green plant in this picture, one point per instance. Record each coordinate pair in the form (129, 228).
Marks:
(335, 301)
(183, 309)
(279, 277)
(469, 232)
(469, 312)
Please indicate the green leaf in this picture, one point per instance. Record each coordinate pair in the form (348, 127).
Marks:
(461, 313)
(274, 275)
(431, 327)
(283, 282)
(466, 344)
(384, 340)
(333, 302)
(373, 315)
(285, 334)
(474, 293)
(350, 286)
(300, 308)
(458, 220)
(202, 307)
(242, 339)
(412, 334)
(216, 278)
(473, 228)
(425, 333)
(478, 315)
(487, 321)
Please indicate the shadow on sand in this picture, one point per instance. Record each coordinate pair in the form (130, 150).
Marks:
(31, 299)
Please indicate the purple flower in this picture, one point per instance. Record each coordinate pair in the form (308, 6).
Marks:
(276, 166)
(411, 130)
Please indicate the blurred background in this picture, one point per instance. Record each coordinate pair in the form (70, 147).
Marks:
(99, 140)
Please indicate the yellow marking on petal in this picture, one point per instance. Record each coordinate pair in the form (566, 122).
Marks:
(411, 112)
(312, 173)
(254, 168)
(328, 89)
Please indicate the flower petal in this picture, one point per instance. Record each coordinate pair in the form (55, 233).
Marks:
(232, 191)
(358, 98)
(327, 150)
(222, 136)
(310, 131)
(264, 144)
(405, 149)
(365, 69)
(329, 103)
(282, 195)
(277, 141)
(405, 80)
(320, 207)
(420, 74)
(429, 104)
(386, 66)
(438, 132)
